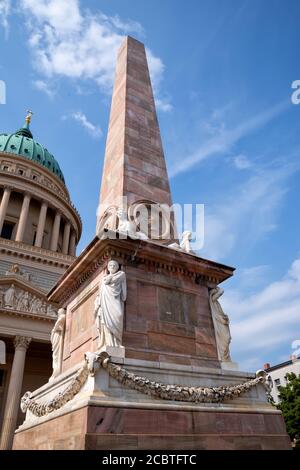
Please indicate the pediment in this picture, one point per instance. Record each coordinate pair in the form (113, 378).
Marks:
(20, 295)
(22, 284)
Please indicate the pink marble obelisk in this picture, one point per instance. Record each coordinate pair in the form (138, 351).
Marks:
(134, 163)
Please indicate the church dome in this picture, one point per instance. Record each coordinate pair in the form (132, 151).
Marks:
(22, 143)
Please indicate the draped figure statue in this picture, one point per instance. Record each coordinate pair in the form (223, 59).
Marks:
(57, 341)
(10, 297)
(109, 306)
(221, 324)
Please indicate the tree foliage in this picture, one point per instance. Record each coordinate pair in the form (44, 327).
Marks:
(289, 397)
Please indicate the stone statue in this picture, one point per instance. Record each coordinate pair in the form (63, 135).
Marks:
(57, 341)
(33, 304)
(185, 244)
(24, 301)
(10, 297)
(37, 305)
(221, 324)
(109, 306)
(127, 227)
(51, 311)
(15, 269)
(43, 307)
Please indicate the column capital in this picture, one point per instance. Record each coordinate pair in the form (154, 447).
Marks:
(21, 342)
(7, 187)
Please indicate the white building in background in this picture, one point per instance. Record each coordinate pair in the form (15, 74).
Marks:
(278, 374)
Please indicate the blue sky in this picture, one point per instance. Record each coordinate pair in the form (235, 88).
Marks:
(222, 73)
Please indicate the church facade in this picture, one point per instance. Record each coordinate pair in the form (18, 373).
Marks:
(39, 231)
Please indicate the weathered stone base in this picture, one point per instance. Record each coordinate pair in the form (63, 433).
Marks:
(101, 428)
(106, 415)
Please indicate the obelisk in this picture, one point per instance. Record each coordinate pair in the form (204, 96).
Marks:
(134, 165)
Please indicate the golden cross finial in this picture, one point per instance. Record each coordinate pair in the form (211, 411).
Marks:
(28, 117)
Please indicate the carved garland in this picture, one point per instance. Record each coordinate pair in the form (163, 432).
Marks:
(177, 392)
(42, 409)
(141, 384)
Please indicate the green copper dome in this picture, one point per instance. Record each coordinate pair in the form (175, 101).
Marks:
(22, 143)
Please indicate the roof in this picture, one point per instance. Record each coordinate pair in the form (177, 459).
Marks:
(282, 364)
(21, 143)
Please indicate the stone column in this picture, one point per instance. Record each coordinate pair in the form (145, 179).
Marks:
(3, 206)
(66, 238)
(21, 344)
(72, 247)
(23, 218)
(55, 232)
(41, 225)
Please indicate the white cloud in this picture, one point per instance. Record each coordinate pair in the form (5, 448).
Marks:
(67, 41)
(81, 118)
(41, 85)
(252, 277)
(264, 322)
(5, 10)
(127, 26)
(224, 139)
(163, 105)
(248, 212)
(241, 162)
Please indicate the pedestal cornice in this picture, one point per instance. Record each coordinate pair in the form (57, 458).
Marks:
(135, 252)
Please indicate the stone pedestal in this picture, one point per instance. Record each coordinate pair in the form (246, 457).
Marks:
(229, 365)
(106, 415)
(168, 338)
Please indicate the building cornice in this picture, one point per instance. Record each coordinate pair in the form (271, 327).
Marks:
(135, 252)
(39, 167)
(40, 255)
(30, 315)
